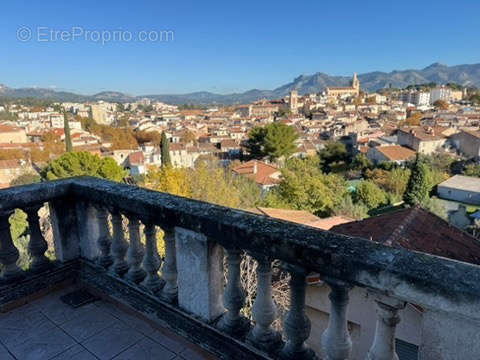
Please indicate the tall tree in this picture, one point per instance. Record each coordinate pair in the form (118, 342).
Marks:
(334, 156)
(256, 142)
(418, 186)
(165, 150)
(274, 141)
(280, 141)
(66, 128)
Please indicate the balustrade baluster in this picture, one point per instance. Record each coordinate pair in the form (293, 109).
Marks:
(37, 246)
(151, 261)
(383, 347)
(8, 252)
(297, 325)
(119, 246)
(104, 239)
(233, 322)
(169, 270)
(135, 251)
(264, 311)
(336, 341)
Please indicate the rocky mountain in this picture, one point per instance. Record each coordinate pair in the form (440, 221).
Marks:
(467, 75)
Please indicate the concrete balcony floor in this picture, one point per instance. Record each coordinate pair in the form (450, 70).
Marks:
(47, 328)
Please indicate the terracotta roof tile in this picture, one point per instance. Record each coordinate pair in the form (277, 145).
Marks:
(416, 229)
(264, 174)
(396, 152)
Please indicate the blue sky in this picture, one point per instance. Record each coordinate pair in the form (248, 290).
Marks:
(228, 46)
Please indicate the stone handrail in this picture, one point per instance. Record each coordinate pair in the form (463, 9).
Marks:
(429, 281)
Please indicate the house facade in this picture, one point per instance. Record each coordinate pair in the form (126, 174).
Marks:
(460, 188)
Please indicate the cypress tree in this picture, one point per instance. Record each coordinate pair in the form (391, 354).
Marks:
(165, 150)
(66, 128)
(417, 188)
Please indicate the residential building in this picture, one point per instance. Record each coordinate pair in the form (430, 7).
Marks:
(418, 98)
(425, 140)
(12, 135)
(467, 142)
(265, 175)
(440, 93)
(11, 169)
(101, 112)
(390, 153)
(465, 189)
(136, 163)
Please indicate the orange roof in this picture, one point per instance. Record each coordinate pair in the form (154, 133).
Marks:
(8, 128)
(298, 216)
(363, 149)
(136, 158)
(302, 217)
(396, 152)
(258, 171)
(10, 164)
(328, 223)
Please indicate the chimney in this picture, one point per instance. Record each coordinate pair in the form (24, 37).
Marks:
(254, 166)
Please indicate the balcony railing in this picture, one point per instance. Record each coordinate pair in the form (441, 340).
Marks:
(191, 297)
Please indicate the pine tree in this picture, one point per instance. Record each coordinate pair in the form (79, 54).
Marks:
(165, 150)
(417, 187)
(66, 128)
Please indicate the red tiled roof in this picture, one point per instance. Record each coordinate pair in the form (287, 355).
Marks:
(10, 164)
(328, 223)
(396, 152)
(263, 174)
(8, 128)
(176, 146)
(416, 229)
(136, 158)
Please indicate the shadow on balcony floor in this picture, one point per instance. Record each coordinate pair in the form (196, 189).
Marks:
(49, 329)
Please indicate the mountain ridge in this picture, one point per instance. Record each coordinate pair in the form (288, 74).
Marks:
(464, 74)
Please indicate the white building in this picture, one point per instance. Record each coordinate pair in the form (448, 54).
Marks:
(439, 93)
(460, 188)
(418, 98)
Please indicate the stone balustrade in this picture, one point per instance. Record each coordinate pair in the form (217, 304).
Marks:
(106, 235)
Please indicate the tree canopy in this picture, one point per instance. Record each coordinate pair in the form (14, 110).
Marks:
(333, 157)
(472, 170)
(417, 188)
(305, 187)
(441, 105)
(414, 119)
(275, 140)
(370, 194)
(120, 138)
(83, 163)
(208, 181)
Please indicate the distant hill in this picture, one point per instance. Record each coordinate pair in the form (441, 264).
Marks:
(466, 75)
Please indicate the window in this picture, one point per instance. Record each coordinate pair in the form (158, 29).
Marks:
(405, 350)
